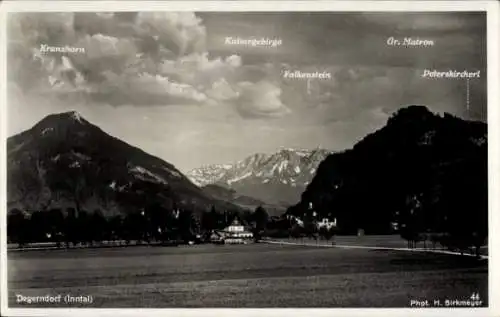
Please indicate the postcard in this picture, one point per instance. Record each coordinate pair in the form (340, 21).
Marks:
(253, 158)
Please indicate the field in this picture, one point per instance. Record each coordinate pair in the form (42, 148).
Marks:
(255, 275)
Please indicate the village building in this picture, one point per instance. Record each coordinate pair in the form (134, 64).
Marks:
(216, 237)
(297, 220)
(395, 226)
(235, 233)
(326, 223)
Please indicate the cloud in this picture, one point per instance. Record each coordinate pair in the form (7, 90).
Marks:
(432, 21)
(197, 69)
(221, 90)
(182, 29)
(103, 46)
(64, 76)
(144, 90)
(370, 94)
(162, 58)
(146, 58)
(158, 84)
(261, 99)
(141, 58)
(35, 29)
(26, 32)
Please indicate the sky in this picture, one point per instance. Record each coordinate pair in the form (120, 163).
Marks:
(170, 83)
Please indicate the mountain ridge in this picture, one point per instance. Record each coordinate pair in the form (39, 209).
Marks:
(64, 160)
(417, 159)
(283, 174)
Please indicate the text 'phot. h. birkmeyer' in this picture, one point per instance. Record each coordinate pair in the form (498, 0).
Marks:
(246, 159)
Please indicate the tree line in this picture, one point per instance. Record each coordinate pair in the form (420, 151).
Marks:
(152, 224)
(454, 214)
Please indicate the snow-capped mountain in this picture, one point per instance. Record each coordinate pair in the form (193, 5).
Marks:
(277, 178)
(209, 174)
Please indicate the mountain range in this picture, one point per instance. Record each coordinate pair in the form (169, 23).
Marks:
(277, 179)
(418, 157)
(64, 161)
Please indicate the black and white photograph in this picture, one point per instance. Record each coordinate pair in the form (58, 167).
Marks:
(246, 159)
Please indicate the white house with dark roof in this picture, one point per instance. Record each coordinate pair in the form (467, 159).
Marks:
(326, 223)
(236, 233)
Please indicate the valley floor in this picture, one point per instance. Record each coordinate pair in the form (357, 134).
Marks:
(255, 275)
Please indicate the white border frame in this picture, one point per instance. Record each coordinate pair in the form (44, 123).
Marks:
(493, 115)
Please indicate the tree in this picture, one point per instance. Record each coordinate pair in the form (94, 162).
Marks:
(327, 232)
(247, 216)
(70, 227)
(39, 227)
(412, 220)
(296, 231)
(116, 228)
(98, 227)
(310, 228)
(17, 227)
(134, 225)
(209, 220)
(261, 219)
(465, 196)
(155, 219)
(55, 219)
(186, 225)
(83, 229)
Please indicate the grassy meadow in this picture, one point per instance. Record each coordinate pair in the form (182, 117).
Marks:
(255, 275)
